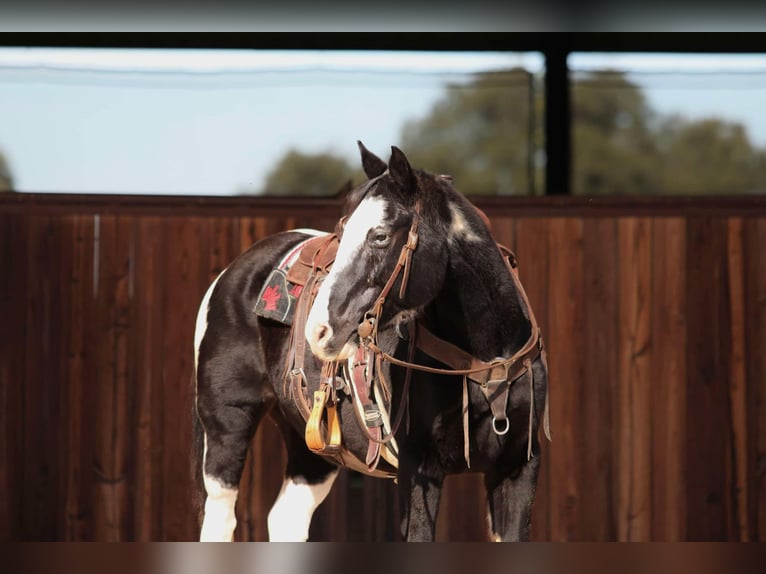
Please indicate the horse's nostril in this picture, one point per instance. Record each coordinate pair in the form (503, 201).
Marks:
(323, 333)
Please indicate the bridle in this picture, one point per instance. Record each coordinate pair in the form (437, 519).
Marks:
(494, 377)
(368, 328)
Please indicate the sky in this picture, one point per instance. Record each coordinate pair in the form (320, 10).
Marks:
(206, 122)
(732, 86)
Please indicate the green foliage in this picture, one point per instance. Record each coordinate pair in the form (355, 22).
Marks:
(613, 148)
(481, 133)
(487, 132)
(621, 147)
(6, 179)
(711, 156)
(309, 175)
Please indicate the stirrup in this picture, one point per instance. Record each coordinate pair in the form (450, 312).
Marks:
(314, 437)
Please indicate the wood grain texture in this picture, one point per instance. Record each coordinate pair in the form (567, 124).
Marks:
(707, 379)
(566, 371)
(634, 425)
(654, 327)
(755, 349)
(531, 248)
(599, 398)
(13, 288)
(668, 378)
(737, 485)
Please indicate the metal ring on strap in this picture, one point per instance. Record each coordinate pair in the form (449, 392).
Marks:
(505, 430)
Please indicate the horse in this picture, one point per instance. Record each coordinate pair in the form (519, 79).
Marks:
(418, 345)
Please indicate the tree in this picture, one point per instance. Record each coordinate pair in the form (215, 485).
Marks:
(711, 157)
(487, 132)
(613, 147)
(620, 146)
(481, 133)
(6, 179)
(300, 174)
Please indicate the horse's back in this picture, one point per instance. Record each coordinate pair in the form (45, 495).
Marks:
(230, 337)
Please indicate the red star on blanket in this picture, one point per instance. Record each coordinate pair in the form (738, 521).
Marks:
(270, 296)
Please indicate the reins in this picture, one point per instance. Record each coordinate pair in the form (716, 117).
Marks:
(494, 377)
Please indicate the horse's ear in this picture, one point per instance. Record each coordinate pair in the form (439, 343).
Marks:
(400, 169)
(372, 165)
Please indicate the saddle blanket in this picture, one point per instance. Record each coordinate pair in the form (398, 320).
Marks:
(278, 296)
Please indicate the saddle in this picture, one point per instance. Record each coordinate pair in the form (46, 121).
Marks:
(303, 271)
(315, 256)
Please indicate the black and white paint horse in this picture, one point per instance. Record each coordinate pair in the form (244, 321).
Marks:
(459, 285)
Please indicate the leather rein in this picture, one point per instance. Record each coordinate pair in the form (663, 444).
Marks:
(494, 377)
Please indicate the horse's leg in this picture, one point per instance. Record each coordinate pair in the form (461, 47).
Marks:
(510, 502)
(420, 488)
(229, 429)
(308, 480)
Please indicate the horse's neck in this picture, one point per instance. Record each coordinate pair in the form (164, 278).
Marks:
(480, 309)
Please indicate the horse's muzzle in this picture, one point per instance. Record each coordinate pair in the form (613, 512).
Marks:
(320, 339)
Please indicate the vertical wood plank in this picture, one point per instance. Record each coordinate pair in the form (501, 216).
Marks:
(669, 381)
(148, 356)
(531, 247)
(251, 230)
(96, 400)
(599, 331)
(42, 377)
(755, 329)
(112, 465)
(565, 277)
(737, 483)
(79, 294)
(708, 425)
(186, 282)
(463, 510)
(634, 390)
(14, 236)
(222, 246)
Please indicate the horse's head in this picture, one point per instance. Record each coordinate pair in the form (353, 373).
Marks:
(383, 214)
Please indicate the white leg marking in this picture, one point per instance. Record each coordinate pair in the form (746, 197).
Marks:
(219, 520)
(201, 327)
(370, 213)
(290, 517)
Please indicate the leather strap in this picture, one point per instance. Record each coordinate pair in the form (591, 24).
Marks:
(361, 379)
(297, 352)
(368, 329)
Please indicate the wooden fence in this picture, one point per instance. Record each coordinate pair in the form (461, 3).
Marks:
(653, 312)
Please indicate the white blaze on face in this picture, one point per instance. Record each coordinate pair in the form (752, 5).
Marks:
(370, 213)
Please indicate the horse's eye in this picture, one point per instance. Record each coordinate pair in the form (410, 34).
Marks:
(379, 238)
